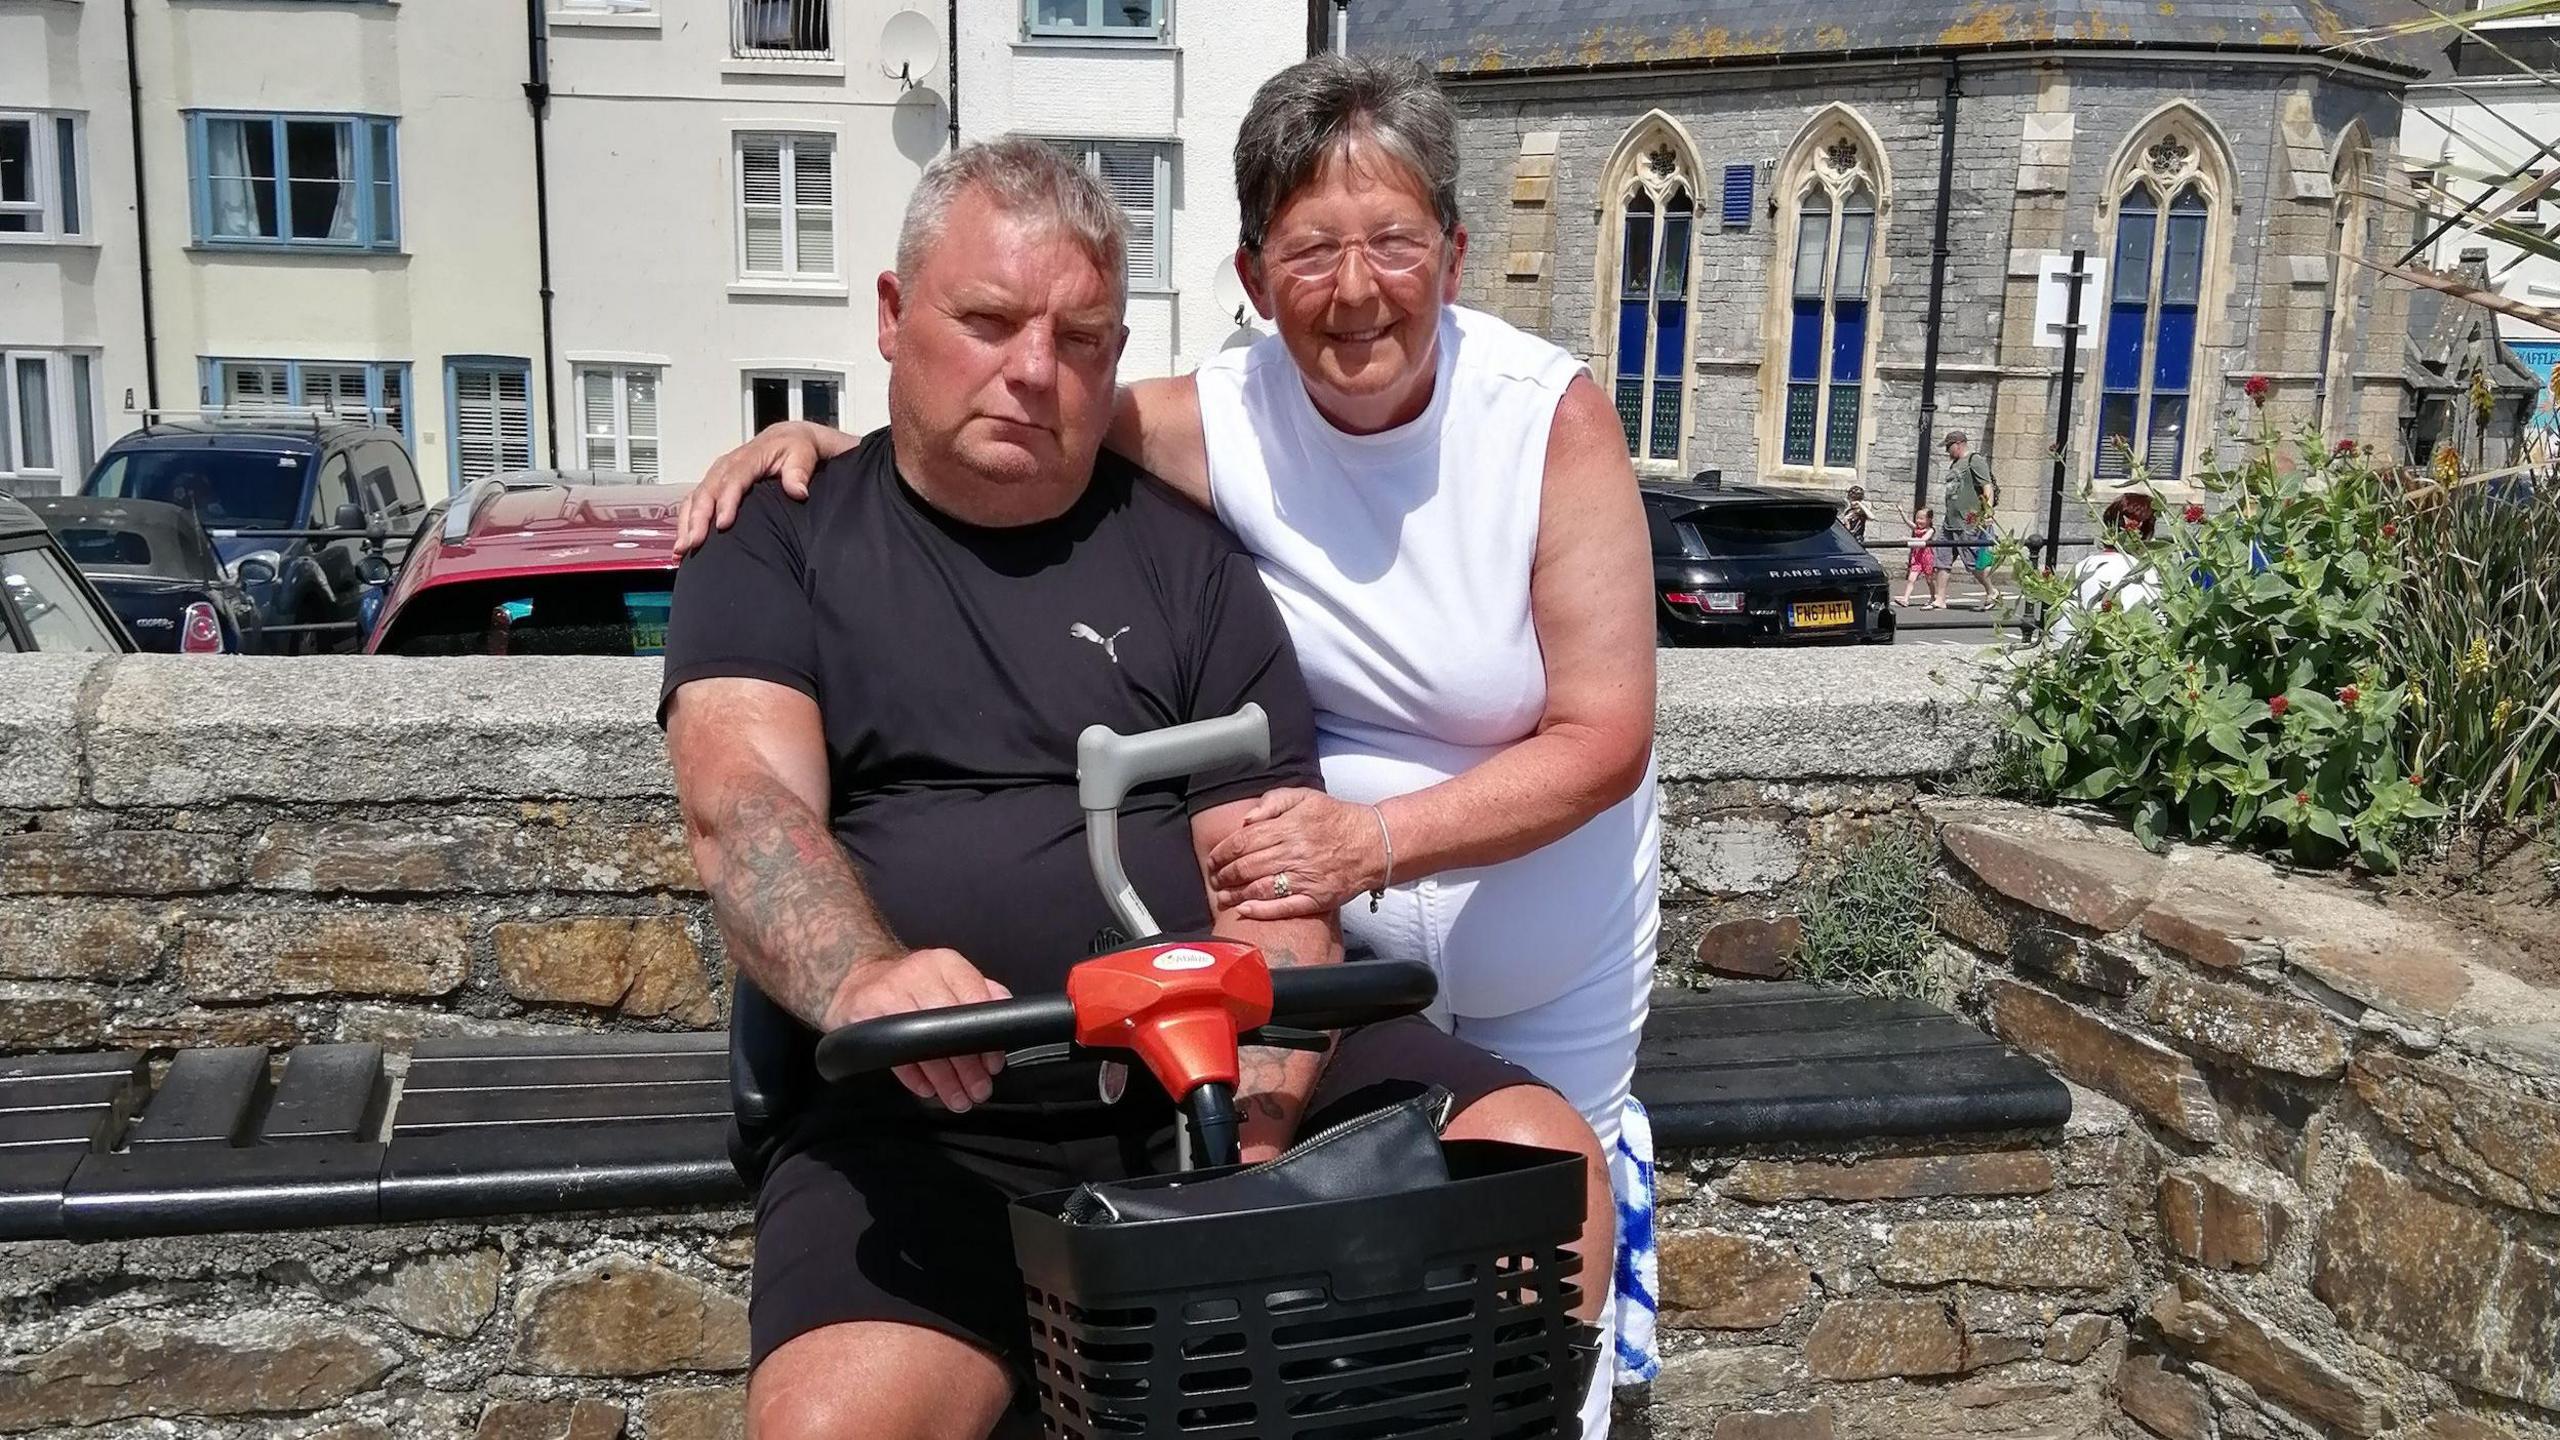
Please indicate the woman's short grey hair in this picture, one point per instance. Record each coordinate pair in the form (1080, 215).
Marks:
(1315, 107)
(1022, 176)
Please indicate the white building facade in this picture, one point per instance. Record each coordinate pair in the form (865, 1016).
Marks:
(342, 208)
(727, 178)
(70, 279)
(1151, 92)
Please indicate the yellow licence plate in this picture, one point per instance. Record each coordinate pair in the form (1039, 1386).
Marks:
(1818, 614)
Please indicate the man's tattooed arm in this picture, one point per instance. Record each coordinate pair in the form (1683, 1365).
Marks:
(751, 773)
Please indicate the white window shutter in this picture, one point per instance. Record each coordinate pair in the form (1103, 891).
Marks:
(813, 205)
(248, 385)
(760, 192)
(475, 423)
(1129, 173)
(640, 394)
(515, 420)
(595, 417)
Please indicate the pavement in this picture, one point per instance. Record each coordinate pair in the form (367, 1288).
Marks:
(1959, 624)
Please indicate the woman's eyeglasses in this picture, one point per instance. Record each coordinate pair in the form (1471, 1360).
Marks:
(1389, 252)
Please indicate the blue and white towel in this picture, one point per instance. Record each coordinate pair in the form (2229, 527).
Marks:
(1639, 1269)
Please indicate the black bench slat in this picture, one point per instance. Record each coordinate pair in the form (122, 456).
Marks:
(491, 1073)
(1967, 1092)
(327, 1092)
(204, 1099)
(1709, 1012)
(67, 1091)
(111, 1062)
(202, 1189)
(450, 1109)
(74, 1127)
(1935, 1035)
(500, 1172)
(454, 1047)
(31, 1183)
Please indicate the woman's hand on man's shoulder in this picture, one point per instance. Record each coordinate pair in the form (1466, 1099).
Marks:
(790, 451)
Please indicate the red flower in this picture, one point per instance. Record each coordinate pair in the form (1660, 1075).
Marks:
(2277, 705)
(2348, 695)
(2389, 529)
(2106, 605)
(2195, 514)
(2257, 389)
(2416, 779)
(2345, 449)
(2302, 797)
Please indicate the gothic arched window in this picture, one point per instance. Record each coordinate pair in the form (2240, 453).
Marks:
(2155, 292)
(1649, 354)
(1832, 187)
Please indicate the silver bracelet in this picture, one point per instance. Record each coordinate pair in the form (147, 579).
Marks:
(1389, 877)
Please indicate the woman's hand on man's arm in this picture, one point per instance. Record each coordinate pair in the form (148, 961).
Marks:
(790, 452)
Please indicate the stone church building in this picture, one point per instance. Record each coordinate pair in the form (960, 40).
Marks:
(1733, 209)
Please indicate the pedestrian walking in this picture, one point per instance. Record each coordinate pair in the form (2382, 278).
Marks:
(1973, 505)
(1922, 567)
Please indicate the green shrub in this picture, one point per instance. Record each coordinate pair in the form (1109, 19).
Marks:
(2476, 634)
(1866, 920)
(2251, 698)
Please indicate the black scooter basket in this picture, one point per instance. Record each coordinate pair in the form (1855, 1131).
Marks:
(1442, 1312)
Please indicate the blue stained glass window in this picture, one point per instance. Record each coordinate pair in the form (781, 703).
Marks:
(1804, 353)
(1653, 319)
(1827, 325)
(1848, 342)
(2149, 351)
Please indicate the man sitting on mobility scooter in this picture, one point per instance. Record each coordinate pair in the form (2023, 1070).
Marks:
(872, 703)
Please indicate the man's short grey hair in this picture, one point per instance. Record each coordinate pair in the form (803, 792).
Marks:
(1312, 109)
(1023, 176)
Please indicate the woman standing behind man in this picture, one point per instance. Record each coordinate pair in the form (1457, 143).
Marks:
(1444, 509)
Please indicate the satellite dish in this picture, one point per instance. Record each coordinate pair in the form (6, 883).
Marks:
(1228, 293)
(910, 48)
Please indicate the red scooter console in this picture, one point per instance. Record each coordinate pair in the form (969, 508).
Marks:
(1179, 1005)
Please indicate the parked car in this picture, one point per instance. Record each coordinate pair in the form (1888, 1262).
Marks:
(156, 568)
(1743, 562)
(538, 562)
(293, 501)
(51, 606)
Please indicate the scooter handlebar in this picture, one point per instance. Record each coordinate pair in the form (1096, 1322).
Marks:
(1318, 997)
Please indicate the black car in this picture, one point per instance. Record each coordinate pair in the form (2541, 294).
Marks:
(294, 504)
(157, 570)
(45, 602)
(1739, 562)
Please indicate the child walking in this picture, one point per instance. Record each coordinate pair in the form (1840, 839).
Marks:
(1922, 568)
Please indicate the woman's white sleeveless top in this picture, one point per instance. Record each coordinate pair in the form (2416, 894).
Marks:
(1401, 562)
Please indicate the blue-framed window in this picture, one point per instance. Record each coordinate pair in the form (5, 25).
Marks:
(1827, 311)
(2147, 369)
(488, 413)
(1658, 219)
(293, 180)
(352, 388)
(1111, 19)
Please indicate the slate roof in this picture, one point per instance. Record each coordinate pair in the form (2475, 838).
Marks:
(1511, 36)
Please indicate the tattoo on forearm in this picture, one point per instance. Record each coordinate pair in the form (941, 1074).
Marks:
(790, 904)
(1272, 1086)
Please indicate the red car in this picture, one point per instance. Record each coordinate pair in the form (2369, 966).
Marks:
(537, 562)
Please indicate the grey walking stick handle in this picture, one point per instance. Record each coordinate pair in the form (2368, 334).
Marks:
(1109, 765)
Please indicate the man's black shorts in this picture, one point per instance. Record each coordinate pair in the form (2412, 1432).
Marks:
(900, 1216)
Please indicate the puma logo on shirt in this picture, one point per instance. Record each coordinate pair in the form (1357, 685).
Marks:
(1110, 644)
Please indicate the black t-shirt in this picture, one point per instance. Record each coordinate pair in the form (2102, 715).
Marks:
(954, 666)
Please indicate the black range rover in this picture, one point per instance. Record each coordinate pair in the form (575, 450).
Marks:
(1738, 562)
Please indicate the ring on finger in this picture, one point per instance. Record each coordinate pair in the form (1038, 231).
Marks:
(1280, 886)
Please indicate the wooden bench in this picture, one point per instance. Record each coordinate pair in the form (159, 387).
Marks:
(238, 1140)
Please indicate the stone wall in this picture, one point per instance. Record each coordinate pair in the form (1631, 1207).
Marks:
(2345, 1135)
(273, 851)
